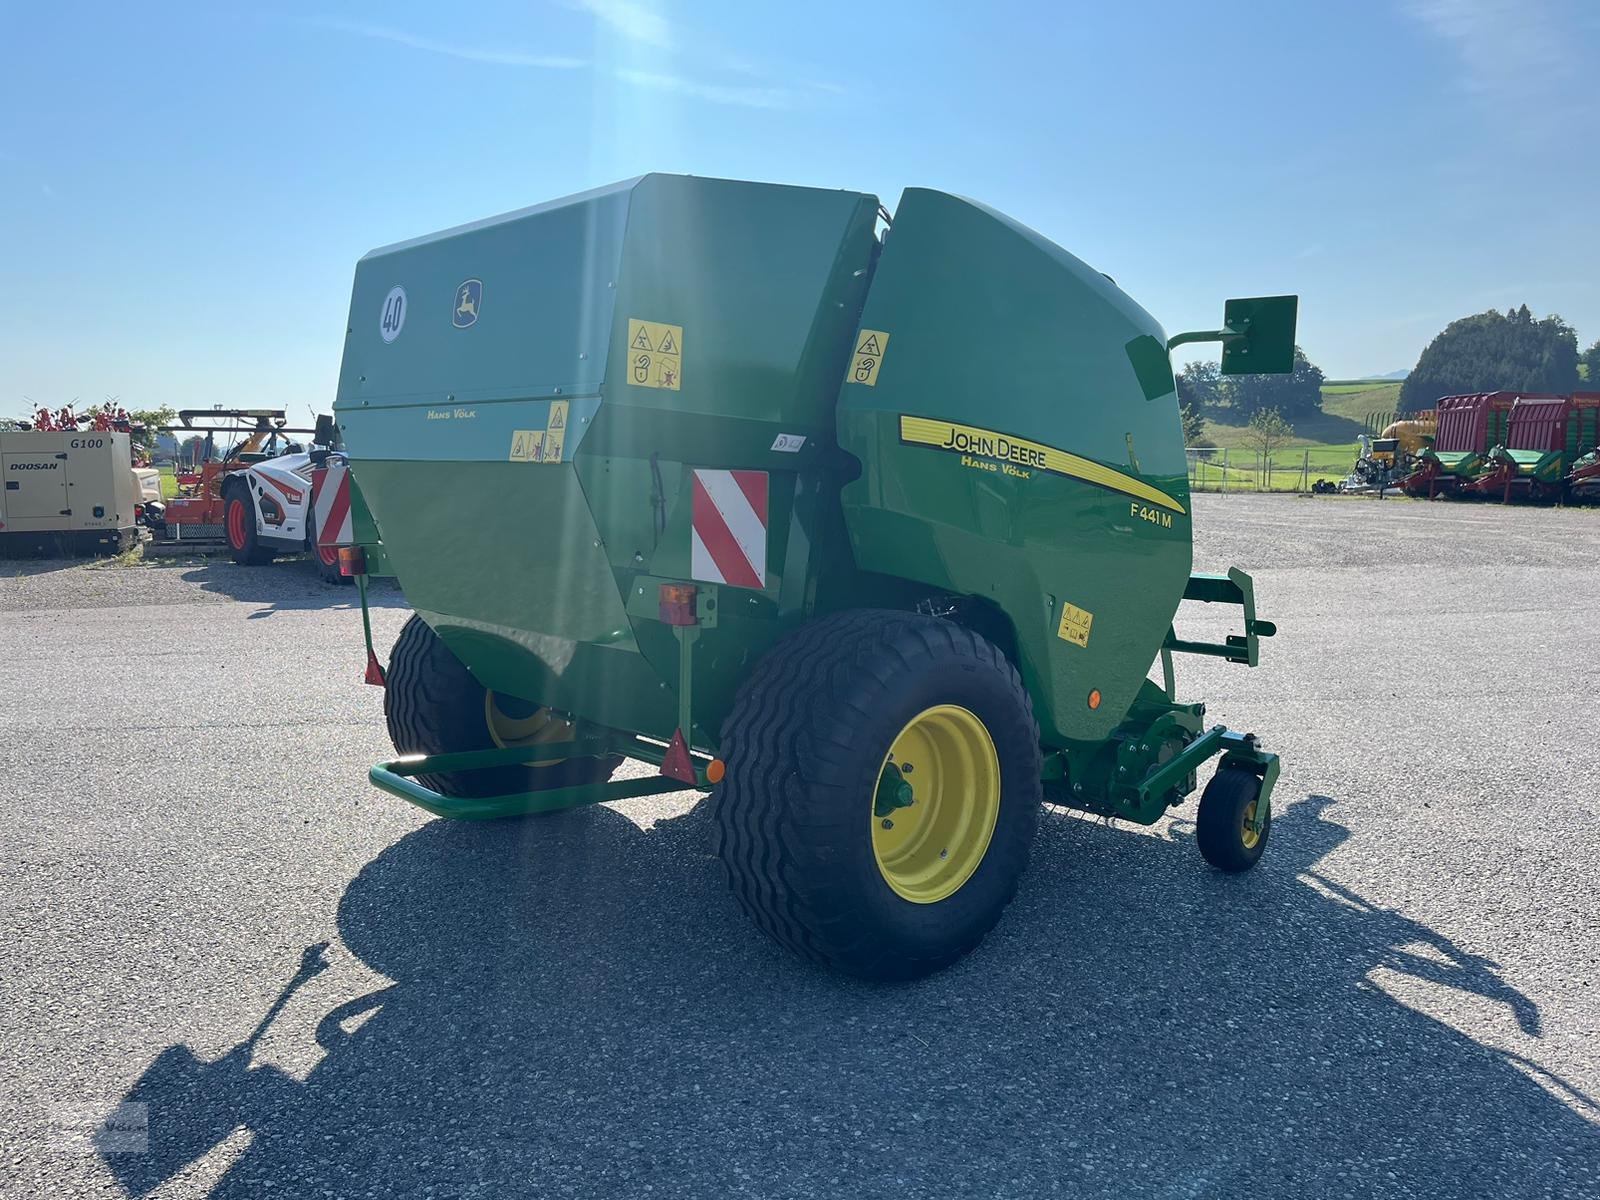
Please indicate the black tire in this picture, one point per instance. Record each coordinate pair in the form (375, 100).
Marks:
(1220, 830)
(327, 568)
(804, 747)
(240, 529)
(434, 705)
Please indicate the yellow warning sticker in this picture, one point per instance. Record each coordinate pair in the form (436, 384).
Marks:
(655, 354)
(525, 444)
(555, 432)
(1075, 624)
(543, 445)
(868, 357)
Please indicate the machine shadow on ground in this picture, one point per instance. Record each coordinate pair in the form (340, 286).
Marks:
(577, 1009)
(287, 583)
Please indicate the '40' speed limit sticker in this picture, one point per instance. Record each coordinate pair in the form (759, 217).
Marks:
(393, 317)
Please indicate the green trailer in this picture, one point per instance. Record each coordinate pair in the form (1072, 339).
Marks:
(873, 526)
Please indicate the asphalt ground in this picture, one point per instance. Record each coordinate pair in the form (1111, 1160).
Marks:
(314, 990)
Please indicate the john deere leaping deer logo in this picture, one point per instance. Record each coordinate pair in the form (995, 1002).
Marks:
(469, 295)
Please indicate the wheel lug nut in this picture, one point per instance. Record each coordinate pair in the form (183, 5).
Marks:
(944, 854)
(887, 823)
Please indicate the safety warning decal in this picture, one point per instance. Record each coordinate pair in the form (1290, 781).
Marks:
(728, 535)
(1075, 624)
(655, 354)
(542, 445)
(1001, 453)
(868, 357)
(330, 501)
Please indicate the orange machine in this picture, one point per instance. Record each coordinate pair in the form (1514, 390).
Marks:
(256, 435)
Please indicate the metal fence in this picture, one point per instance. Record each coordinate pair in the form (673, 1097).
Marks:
(1225, 469)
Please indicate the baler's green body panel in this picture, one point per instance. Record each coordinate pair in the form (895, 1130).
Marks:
(541, 576)
(524, 568)
(992, 326)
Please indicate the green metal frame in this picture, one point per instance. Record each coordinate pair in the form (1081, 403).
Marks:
(1125, 776)
(396, 777)
(1235, 587)
(1151, 761)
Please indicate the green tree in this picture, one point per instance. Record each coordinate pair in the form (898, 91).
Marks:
(1267, 431)
(1200, 387)
(152, 419)
(1298, 394)
(1194, 426)
(1491, 352)
(1590, 361)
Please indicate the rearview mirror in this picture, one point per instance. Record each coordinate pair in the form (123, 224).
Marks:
(1264, 335)
(1257, 335)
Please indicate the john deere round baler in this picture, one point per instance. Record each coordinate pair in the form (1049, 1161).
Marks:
(876, 537)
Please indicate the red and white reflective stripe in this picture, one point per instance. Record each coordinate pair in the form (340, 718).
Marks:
(729, 535)
(330, 495)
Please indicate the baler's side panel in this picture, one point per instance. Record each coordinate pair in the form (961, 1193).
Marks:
(762, 284)
(447, 420)
(519, 560)
(1010, 452)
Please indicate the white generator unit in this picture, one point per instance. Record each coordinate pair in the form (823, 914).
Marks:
(66, 492)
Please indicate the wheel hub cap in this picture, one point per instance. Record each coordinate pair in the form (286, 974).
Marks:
(538, 728)
(936, 803)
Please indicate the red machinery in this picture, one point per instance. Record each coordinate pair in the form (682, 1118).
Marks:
(1583, 476)
(197, 512)
(1462, 439)
(1531, 456)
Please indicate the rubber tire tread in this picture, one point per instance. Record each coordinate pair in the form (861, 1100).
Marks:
(328, 573)
(433, 705)
(802, 712)
(1220, 817)
(251, 554)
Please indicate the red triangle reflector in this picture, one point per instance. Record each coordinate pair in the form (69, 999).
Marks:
(677, 764)
(375, 672)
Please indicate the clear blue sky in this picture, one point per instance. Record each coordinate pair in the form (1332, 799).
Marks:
(185, 188)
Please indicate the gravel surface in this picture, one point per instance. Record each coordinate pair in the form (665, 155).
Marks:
(314, 990)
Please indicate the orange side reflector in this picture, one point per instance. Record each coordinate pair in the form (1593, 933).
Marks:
(677, 604)
(1094, 698)
(716, 770)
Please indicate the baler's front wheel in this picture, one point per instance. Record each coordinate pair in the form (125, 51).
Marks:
(1225, 825)
(434, 705)
(881, 792)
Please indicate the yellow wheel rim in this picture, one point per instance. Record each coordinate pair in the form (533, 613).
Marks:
(944, 763)
(537, 729)
(1249, 837)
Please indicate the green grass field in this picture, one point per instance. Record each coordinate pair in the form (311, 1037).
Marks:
(169, 482)
(1327, 440)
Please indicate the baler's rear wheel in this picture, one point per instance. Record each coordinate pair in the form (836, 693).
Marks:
(434, 705)
(881, 792)
(1224, 826)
